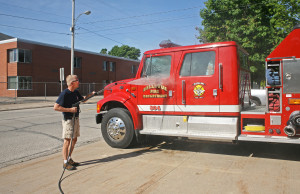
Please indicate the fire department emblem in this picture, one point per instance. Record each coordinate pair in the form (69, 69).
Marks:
(198, 90)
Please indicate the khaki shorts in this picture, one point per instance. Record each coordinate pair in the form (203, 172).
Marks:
(68, 126)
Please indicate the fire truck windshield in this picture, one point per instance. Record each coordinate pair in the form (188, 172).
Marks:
(157, 66)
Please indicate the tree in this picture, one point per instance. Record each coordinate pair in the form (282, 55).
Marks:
(104, 51)
(257, 25)
(124, 51)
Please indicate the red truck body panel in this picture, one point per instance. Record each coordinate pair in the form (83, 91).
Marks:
(288, 47)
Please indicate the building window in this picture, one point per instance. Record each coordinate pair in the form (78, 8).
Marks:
(112, 66)
(133, 69)
(77, 62)
(12, 82)
(20, 55)
(19, 82)
(104, 67)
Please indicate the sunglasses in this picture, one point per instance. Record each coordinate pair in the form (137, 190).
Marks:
(76, 80)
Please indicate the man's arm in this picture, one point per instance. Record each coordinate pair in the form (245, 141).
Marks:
(87, 96)
(59, 108)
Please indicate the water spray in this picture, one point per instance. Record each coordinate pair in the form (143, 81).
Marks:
(152, 80)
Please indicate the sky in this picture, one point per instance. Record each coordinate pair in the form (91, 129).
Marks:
(138, 23)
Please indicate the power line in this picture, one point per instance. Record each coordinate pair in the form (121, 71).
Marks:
(48, 21)
(34, 29)
(49, 13)
(144, 15)
(158, 21)
(109, 5)
(243, 6)
(154, 22)
(61, 32)
(102, 35)
(39, 20)
(141, 31)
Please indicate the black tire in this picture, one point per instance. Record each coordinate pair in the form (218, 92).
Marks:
(134, 139)
(117, 128)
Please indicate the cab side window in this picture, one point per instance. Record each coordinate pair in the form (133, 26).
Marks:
(198, 64)
(157, 66)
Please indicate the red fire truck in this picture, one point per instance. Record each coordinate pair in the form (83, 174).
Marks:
(203, 92)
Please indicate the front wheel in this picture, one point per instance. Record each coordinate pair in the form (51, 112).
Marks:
(117, 128)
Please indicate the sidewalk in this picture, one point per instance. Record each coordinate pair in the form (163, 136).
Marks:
(34, 102)
(103, 170)
(41, 175)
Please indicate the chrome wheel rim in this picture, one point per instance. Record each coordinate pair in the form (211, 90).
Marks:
(116, 129)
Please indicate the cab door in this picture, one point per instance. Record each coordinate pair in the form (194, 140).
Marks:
(197, 83)
(156, 84)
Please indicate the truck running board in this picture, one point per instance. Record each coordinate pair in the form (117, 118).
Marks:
(199, 127)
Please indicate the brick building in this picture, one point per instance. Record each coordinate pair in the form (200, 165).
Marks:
(25, 65)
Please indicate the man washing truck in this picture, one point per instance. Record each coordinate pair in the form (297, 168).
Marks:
(70, 121)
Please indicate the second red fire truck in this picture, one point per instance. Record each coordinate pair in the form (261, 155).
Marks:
(203, 91)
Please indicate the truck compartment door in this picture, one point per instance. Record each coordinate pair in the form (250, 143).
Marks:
(291, 76)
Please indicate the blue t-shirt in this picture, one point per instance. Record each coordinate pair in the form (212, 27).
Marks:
(67, 98)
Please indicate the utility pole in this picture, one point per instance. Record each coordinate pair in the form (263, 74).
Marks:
(72, 39)
(72, 29)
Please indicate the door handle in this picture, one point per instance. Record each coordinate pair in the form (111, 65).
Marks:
(183, 92)
(215, 92)
(221, 76)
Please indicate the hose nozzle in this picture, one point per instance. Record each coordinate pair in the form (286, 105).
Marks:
(290, 131)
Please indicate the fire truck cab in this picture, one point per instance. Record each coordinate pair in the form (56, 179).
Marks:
(203, 92)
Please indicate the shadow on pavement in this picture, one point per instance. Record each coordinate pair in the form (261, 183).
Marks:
(113, 158)
(120, 156)
(248, 149)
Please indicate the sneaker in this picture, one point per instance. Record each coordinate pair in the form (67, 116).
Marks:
(68, 166)
(73, 163)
